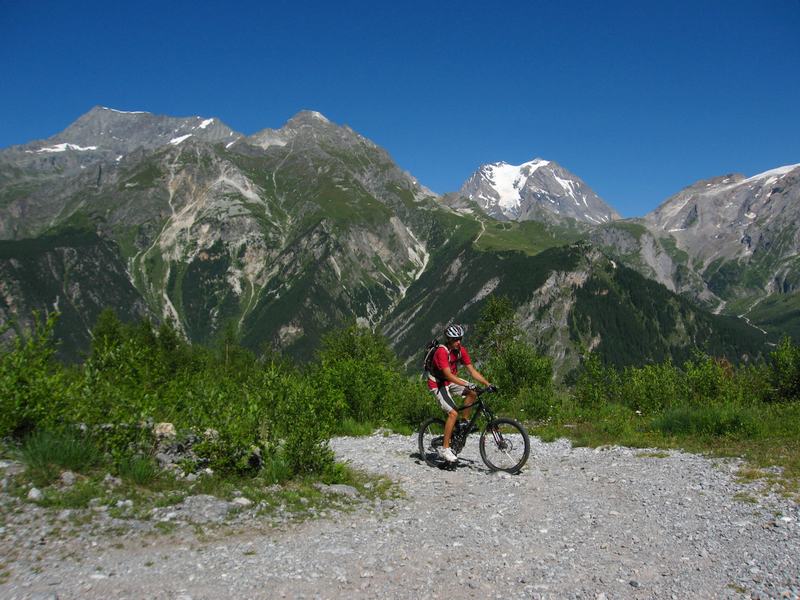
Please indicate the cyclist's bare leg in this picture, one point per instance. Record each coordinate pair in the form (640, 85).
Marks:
(470, 397)
(448, 427)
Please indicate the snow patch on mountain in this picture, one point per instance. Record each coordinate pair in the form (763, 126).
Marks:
(126, 112)
(319, 116)
(507, 181)
(777, 173)
(62, 148)
(177, 140)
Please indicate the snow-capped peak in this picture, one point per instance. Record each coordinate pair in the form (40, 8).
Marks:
(534, 188)
(507, 180)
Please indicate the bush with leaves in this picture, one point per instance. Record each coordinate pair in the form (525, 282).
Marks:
(597, 384)
(496, 327)
(651, 388)
(785, 367)
(360, 365)
(524, 377)
(31, 382)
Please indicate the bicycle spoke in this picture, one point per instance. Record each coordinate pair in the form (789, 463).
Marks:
(504, 445)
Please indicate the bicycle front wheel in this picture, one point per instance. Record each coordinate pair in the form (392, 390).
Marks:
(505, 445)
(431, 437)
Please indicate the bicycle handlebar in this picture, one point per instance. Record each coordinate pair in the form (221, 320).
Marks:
(490, 389)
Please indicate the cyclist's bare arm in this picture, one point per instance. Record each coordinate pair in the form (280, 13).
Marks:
(476, 375)
(448, 375)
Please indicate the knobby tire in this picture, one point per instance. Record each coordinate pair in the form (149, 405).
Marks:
(431, 436)
(505, 445)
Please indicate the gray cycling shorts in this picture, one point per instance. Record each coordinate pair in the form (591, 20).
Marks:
(445, 394)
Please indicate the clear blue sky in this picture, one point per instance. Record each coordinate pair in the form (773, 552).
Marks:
(637, 98)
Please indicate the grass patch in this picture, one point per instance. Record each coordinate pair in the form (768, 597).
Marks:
(352, 428)
(402, 428)
(79, 495)
(745, 497)
(47, 453)
(166, 527)
(653, 454)
(530, 237)
(710, 420)
(139, 470)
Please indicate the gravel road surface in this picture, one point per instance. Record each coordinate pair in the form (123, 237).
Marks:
(577, 523)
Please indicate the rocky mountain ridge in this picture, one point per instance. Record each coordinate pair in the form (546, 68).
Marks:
(289, 232)
(730, 243)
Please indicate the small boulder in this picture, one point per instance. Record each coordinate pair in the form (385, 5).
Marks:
(204, 509)
(242, 501)
(12, 467)
(164, 431)
(337, 488)
(111, 481)
(35, 494)
(68, 478)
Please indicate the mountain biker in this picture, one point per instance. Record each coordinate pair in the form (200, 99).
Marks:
(445, 384)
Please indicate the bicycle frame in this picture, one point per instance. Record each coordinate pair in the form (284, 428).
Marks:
(480, 408)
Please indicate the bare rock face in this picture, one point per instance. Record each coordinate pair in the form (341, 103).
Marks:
(741, 234)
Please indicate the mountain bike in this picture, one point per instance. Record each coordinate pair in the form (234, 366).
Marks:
(504, 443)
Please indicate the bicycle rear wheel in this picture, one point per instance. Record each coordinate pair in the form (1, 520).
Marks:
(504, 445)
(431, 437)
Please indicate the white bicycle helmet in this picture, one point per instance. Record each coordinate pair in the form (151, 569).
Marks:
(454, 331)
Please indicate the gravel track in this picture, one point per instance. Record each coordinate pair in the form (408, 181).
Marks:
(577, 523)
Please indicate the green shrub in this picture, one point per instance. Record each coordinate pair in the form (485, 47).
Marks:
(306, 421)
(615, 421)
(275, 468)
(516, 366)
(30, 380)
(411, 403)
(361, 366)
(785, 363)
(534, 402)
(596, 384)
(496, 327)
(711, 380)
(651, 388)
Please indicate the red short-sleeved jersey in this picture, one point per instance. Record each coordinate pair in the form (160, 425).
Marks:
(443, 358)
